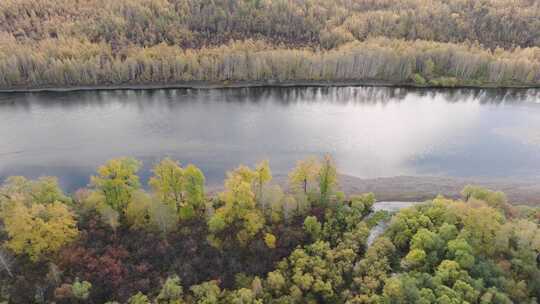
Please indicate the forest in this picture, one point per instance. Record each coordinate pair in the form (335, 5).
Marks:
(99, 43)
(119, 241)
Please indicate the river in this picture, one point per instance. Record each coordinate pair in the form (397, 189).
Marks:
(371, 132)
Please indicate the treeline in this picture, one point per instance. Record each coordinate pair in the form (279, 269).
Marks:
(73, 62)
(66, 43)
(327, 23)
(114, 242)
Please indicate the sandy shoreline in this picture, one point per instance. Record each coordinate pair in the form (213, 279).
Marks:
(252, 84)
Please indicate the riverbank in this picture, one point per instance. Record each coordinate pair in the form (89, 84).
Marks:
(422, 188)
(258, 84)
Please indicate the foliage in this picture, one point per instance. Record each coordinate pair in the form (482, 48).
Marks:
(312, 227)
(180, 188)
(327, 178)
(62, 43)
(167, 182)
(198, 23)
(239, 214)
(81, 290)
(304, 174)
(270, 240)
(206, 293)
(254, 244)
(139, 298)
(144, 212)
(38, 230)
(171, 292)
(44, 190)
(116, 181)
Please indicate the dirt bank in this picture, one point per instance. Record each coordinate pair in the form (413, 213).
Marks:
(418, 188)
(421, 188)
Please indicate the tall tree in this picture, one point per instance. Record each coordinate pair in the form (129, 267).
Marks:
(263, 176)
(181, 188)
(327, 178)
(167, 182)
(239, 214)
(194, 187)
(117, 180)
(304, 173)
(39, 230)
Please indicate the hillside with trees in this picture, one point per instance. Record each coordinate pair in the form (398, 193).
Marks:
(98, 43)
(118, 241)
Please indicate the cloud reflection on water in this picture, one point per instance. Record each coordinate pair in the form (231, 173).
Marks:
(372, 132)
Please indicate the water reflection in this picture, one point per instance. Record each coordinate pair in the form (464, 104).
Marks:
(281, 95)
(371, 131)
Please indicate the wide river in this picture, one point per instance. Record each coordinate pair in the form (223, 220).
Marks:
(371, 132)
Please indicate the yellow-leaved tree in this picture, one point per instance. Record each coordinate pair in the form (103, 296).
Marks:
(36, 217)
(327, 178)
(180, 188)
(146, 212)
(304, 174)
(167, 182)
(312, 172)
(116, 181)
(263, 175)
(39, 230)
(239, 215)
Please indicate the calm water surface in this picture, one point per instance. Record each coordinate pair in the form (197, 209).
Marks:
(371, 132)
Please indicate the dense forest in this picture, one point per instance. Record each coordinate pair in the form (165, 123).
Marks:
(255, 242)
(76, 43)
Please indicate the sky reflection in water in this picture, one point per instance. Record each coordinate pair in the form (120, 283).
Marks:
(371, 132)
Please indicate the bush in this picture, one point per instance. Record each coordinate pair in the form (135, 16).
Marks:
(445, 82)
(418, 79)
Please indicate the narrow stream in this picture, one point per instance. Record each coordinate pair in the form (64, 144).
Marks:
(391, 207)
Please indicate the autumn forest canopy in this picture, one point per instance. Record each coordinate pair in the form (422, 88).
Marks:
(77, 43)
(169, 240)
(257, 242)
